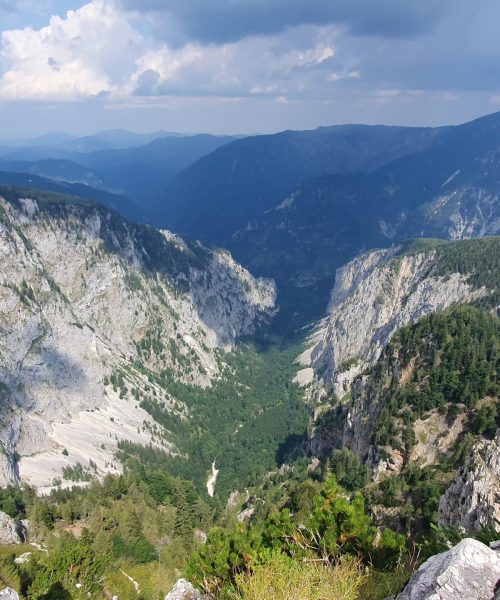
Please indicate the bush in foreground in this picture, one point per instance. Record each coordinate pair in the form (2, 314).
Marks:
(286, 579)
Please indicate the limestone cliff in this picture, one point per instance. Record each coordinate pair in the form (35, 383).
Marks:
(404, 370)
(374, 296)
(469, 571)
(89, 303)
(472, 502)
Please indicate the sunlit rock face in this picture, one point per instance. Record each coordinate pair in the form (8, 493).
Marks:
(85, 297)
(469, 571)
(374, 296)
(472, 502)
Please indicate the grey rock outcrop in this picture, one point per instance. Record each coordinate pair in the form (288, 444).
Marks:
(374, 296)
(467, 211)
(23, 559)
(9, 530)
(9, 474)
(469, 571)
(472, 502)
(184, 590)
(86, 295)
(9, 594)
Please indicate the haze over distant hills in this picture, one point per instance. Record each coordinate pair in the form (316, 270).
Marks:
(117, 161)
(118, 202)
(108, 139)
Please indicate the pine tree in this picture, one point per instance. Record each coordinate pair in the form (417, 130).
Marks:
(183, 517)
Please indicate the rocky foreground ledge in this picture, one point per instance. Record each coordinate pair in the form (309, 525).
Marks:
(469, 571)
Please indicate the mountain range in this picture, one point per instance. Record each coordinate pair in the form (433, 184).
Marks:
(137, 166)
(292, 337)
(297, 205)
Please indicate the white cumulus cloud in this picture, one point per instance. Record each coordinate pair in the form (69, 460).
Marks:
(259, 65)
(84, 54)
(99, 50)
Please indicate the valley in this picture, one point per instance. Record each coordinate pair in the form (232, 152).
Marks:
(297, 362)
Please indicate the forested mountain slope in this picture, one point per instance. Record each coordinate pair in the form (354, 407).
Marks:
(404, 374)
(225, 191)
(379, 292)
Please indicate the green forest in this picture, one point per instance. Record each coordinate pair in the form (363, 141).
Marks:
(250, 419)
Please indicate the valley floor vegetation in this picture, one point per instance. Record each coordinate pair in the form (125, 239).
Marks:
(133, 535)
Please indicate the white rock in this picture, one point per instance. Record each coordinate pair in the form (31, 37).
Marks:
(8, 470)
(23, 559)
(472, 502)
(469, 571)
(183, 590)
(9, 530)
(9, 594)
(246, 515)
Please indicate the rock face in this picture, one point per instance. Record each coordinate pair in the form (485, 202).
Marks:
(374, 296)
(183, 590)
(9, 473)
(9, 530)
(472, 502)
(469, 571)
(9, 594)
(86, 297)
(467, 211)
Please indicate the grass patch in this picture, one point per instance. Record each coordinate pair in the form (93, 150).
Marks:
(286, 579)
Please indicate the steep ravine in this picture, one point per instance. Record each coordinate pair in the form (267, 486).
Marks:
(89, 305)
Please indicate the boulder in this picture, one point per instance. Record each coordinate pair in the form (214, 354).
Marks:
(9, 594)
(9, 530)
(472, 502)
(200, 537)
(184, 590)
(469, 571)
(23, 559)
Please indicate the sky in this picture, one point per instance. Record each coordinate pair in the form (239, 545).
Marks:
(244, 66)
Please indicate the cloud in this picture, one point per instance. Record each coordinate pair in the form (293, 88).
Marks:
(284, 67)
(384, 52)
(98, 51)
(221, 21)
(461, 54)
(84, 54)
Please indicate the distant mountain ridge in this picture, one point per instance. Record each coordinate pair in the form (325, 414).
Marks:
(118, 202)
(140, 170)
(242, 180)
(110, 138)
(296, 205)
